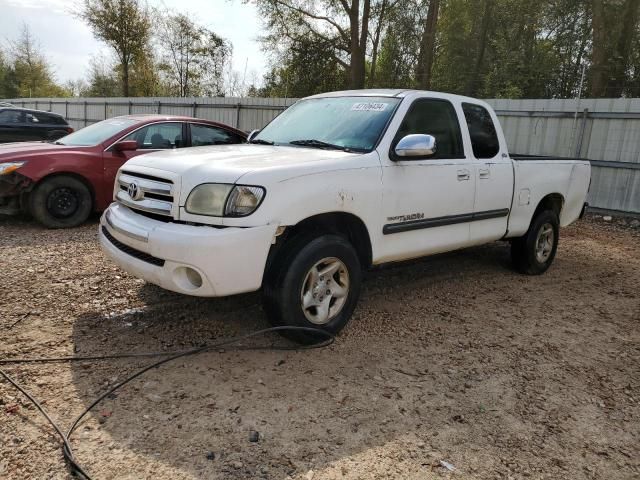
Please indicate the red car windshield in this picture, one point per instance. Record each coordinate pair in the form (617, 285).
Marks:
(96, 133)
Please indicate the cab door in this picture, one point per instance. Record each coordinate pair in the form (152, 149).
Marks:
(428, 201)
(493, 170)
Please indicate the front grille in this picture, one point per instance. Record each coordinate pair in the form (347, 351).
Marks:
(145, 257)
(149, 194)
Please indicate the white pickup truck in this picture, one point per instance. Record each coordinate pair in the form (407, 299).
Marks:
(335, 184)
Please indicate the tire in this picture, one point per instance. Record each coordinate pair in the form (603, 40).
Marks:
(61, 202)
(331, 297)
(533, 253)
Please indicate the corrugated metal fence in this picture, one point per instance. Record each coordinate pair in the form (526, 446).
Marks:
(605, 131)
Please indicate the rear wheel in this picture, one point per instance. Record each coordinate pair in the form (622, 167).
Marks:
(316, 284)
(61, 202)
(533, 253)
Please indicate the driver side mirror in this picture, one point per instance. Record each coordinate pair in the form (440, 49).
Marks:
(416, 145)
(252, 135)
(126, 145)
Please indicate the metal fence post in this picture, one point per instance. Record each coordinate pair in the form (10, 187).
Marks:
(583, 125)
(195, 108)
(159, 108)
(85, 113)
(238, 107)
(130, 106)
(105, 109)
(36, 105)
(66, 109)
(50, 105)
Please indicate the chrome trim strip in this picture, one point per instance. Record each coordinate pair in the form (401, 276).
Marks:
(136, 236)
(149, 186)
(147, 205)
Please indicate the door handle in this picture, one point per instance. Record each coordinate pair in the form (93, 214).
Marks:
(484, 173)
(463, 175)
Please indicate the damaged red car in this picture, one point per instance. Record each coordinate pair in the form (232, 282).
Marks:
(61, 183)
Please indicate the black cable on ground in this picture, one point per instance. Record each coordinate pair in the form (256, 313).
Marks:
(76, 468)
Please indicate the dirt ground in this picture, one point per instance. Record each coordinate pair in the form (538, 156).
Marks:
(452, 359)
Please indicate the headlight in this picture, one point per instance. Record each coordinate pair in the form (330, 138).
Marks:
(221, 200)
(7, 168)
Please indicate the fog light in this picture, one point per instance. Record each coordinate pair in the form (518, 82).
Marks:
(187, 278)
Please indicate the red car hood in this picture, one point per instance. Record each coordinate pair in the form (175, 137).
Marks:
(25, 150)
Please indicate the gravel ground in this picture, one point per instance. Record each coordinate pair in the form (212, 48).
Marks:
(453, 359)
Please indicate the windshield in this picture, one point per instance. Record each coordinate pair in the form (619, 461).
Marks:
(96, 133)
(353, 123)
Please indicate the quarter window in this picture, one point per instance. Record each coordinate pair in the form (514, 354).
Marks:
(484, 138)
(436, 118)
(158, 136)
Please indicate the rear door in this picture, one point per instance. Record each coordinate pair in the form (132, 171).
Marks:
(493, 171)
(150, 138)
(35, 127)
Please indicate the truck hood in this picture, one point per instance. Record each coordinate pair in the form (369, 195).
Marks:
(227, 163)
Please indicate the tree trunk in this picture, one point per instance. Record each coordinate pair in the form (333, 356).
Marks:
(376, 44)
(427, 46)
(598, 51)
(358, 44)
(474, 79)
(620, 61)
(125, 79)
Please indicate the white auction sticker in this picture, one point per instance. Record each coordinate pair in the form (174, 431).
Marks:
(369, 107)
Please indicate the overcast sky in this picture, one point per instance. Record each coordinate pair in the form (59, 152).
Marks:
(69, 44)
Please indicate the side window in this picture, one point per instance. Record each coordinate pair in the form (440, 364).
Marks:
(158, 136)
(437, 118)
(48, 119)
(10, 116)
(484, 138)
(209, 135)
(31, 118)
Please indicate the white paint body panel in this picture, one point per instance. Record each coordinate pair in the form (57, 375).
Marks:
(302, 182)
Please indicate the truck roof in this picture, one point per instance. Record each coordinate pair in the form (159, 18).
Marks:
(396, 92)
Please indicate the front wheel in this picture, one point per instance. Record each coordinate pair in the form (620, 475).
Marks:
(533, 253)
(61, 202)
(316, 284)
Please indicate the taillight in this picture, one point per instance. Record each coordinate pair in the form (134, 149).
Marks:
(69, 130)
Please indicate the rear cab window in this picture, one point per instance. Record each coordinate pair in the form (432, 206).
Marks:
(484, 138)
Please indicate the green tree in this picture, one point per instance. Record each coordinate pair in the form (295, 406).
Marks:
(193, 57)
(30, 72)
(309, 67)
(124, 25)
(102, 80)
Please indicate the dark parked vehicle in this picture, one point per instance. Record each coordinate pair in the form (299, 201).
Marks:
(22, 125)
(62, 182)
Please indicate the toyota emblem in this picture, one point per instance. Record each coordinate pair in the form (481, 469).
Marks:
(134, 191)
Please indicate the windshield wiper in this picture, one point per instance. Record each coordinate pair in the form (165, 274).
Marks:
(58, 142)
(261, 142)
(320, 144)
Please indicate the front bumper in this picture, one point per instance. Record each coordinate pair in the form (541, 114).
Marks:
(194, 260)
